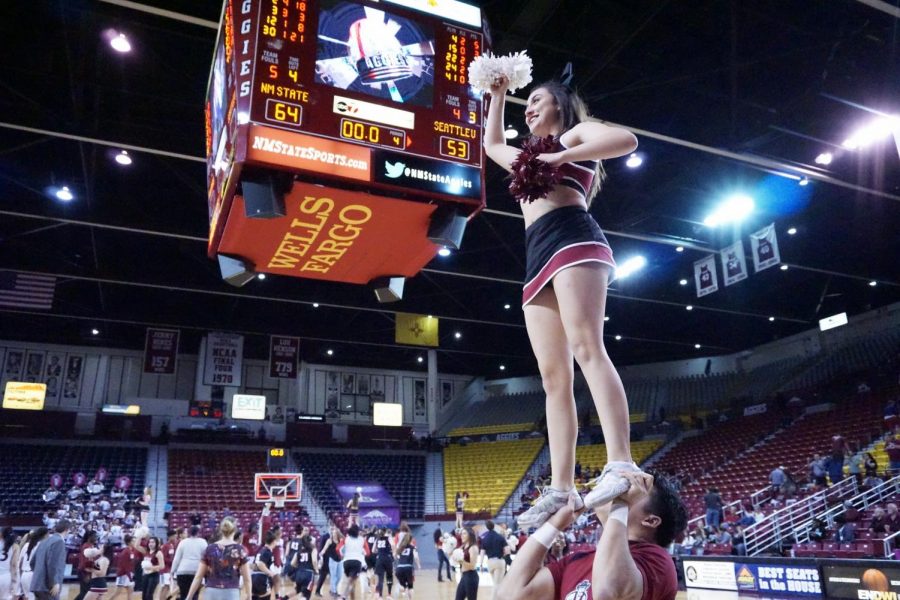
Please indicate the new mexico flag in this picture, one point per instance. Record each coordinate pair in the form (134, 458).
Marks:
(418, 330)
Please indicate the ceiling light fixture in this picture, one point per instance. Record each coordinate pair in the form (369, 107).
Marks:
(875, 130)
(511, 133)
(783, 267)
(873, 283)
(824, 159)
(631, 266)
(682, 282)
(329, 352)
(457, 335)
(618, 338)
(679, 249)
(634, 161)
(120, 43)
(445, 251)
(123, 158)
(792, 231)
(689, 307)
(804, 181)
(261, 276)
(65, 194)
(733, 210)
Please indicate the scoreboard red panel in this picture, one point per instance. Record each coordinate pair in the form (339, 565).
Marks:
(359, 95)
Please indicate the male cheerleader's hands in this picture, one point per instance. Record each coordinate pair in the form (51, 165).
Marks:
(566, 515)
(641, 485)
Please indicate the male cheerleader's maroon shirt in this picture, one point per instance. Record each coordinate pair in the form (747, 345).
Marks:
(573, 574)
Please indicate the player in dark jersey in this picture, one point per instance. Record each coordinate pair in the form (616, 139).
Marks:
(305, 564)
(630, 562)
(384, 562)
(371, 538)
(407, 561)
(291, 548)
(261, 578)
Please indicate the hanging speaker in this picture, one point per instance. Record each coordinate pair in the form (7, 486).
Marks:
(235, 271)
(264, 192)
(388, 289)
(447, 227)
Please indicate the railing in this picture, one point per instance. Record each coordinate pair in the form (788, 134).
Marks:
(862, 501)
(783, 522)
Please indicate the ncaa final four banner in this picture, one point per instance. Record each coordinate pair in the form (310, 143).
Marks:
(284, 352)
(764, 244)
(705, 277)
(224, 359)
(734, 265)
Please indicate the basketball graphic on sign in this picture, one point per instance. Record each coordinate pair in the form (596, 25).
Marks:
(875, 581)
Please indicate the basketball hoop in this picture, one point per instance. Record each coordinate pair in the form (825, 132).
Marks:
(277, 488)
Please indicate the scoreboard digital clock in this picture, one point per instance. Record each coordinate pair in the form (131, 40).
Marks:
(367, 97)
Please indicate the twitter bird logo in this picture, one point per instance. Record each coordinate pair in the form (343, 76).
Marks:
(394, 170)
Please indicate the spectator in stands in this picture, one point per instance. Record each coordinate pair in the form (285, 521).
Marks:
(630, 560)
(225, 565)
(739, 547)
(817, 472)
(891, 415)
(48, 563)
(835, 468)
(442, 557)
(494, 548)
(879, 521)
(187, 560)
(846, 531)
(713, 502)
(892, 519)
(870, 465)
(777, 479)
(850, 514)
(856, 463)
(559, 549)
(817, 530)
(723, 536)
(892, 448)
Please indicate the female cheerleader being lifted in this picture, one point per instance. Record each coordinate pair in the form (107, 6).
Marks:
(569, 264)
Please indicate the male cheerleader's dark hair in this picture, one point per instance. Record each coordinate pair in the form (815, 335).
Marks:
(270, 538)
(667, 505)
(9, 539)
(353, 531)
(572, 111)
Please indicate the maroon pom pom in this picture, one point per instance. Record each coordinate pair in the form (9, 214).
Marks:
(532, 178)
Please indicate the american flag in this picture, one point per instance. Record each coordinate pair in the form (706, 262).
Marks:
(23, 290)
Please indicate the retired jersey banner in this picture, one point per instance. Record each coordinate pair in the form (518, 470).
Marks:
(160, 351)
(284, 352)
(705, 276)
(418, 330)
(734, 265)
(224, 359)
(764, 244)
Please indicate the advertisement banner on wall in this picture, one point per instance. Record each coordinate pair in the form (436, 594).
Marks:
(863, 580)
(712, 575)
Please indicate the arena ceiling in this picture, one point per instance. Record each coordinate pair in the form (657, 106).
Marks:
(724, 96)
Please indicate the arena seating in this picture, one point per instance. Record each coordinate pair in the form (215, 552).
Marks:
(204, 481)
(402, 475)
(26, 469)
(488, 471)
(594, 456)
(854, 356)
(499, 410)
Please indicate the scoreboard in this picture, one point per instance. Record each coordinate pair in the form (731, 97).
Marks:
(342, 139)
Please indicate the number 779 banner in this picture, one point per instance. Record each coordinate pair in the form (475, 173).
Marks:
(284, 353)
(160, 351)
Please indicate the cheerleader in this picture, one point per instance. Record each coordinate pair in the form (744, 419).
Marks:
(99, 566)
(8, 555)
(353, 550)
(467, 554)
(29, 544)
(569, 264)
(353, 507)
(460, 502)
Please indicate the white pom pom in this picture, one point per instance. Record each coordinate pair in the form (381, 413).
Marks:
(485, 69)
(457, 556)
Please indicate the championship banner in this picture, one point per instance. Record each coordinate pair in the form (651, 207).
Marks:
(764, 244)
(160, 351)
(705, 276)
(223, 360)
(418, 330)
(734, 265)
(284, 353)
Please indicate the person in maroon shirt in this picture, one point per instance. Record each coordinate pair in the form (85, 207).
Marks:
(630, 563)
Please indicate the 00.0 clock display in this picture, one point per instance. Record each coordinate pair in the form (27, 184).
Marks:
(372, 134)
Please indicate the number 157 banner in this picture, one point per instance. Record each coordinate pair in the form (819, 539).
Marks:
(160, 351)
(284, 353)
